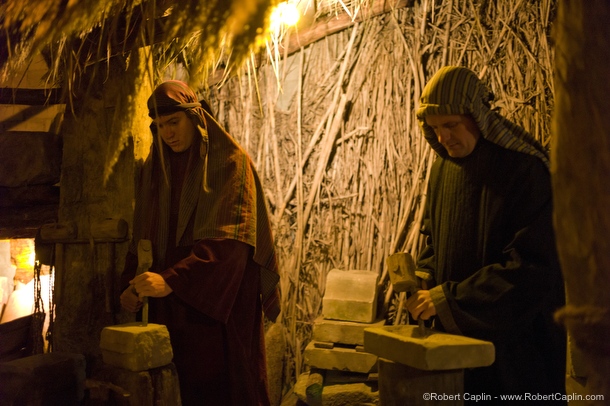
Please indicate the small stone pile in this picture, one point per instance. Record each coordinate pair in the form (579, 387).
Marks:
(340, 371)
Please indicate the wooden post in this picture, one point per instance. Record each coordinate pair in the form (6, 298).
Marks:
(581, 183)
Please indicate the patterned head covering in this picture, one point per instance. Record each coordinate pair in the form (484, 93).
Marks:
(222, 191)
(170, 97)
(174, 95)
(457, 90)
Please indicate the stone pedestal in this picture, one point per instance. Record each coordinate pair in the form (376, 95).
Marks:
(137, 360)
(336, 391)
(424, 367)
(275, 351)
(401, 385)
(157, 386)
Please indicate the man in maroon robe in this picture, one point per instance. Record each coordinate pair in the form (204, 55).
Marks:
(201, 204)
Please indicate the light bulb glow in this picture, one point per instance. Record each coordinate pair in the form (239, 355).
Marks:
(285, 14)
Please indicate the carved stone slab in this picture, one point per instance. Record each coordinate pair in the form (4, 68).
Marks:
(427, 350)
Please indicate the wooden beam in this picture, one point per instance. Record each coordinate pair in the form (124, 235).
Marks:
(30, 158)
(30, 195)
(326, 26)
(31, 97)
(24, 222)
(334, 24)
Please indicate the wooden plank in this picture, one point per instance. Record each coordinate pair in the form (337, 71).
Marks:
(16, 337)
(23, 222)
(30, 158)
(31, 97)
(31, 195)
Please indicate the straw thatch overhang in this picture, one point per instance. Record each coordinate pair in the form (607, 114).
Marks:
(78, 42)
(85, 49)
(132, 28)
(91, 31)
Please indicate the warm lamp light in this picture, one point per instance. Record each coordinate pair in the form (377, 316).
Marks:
(285, 14)
(25, 254)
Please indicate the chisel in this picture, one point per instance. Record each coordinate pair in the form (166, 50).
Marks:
(145, 259)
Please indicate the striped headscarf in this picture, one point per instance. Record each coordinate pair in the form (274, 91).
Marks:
(222, 192)
(457, 90)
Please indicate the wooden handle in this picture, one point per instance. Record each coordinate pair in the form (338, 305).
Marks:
(58, 231)
(145, 256)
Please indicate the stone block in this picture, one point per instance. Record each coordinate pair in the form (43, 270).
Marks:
(339, 394)
(340, 358)
(136, 347)
(350, 296)
(427, 350)
(342, 332)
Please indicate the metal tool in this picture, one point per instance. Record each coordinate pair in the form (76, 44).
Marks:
(145, 260)
(401, 268)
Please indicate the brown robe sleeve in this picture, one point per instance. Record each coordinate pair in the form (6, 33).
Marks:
(209, 278)
(214, 314)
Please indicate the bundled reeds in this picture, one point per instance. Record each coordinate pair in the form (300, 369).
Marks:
(336, 141)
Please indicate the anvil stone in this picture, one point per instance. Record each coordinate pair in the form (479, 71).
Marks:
(136, 347)
(427, 350)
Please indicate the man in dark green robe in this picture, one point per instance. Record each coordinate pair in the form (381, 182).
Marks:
(490, 265)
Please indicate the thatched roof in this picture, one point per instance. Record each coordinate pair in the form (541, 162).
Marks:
(205, 37)
(83, 32)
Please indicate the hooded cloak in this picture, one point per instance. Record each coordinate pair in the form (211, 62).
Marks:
(223, 193)
(457, 90)
(490, 259)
